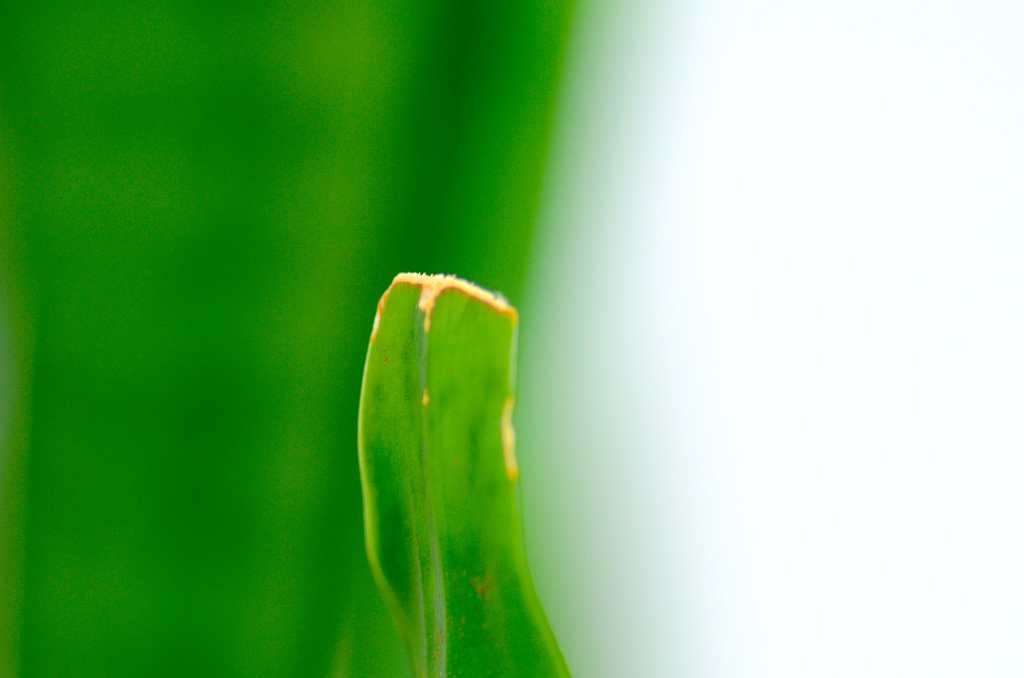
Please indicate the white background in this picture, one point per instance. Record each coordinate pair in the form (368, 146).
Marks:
(772, 389)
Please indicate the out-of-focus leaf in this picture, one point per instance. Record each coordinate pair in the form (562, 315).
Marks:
(206, 200)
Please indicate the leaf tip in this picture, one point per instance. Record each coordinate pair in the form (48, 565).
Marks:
(431, 287)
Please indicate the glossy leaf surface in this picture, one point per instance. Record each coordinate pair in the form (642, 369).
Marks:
(439, 482)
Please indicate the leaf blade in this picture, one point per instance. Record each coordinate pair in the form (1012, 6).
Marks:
(439, 474)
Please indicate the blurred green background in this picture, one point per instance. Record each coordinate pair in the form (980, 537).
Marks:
(200, 204)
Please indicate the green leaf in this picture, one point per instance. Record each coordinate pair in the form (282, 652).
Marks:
(439, 476)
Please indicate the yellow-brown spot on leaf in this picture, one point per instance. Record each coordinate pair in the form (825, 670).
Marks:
(483, 585)
(508, 440)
